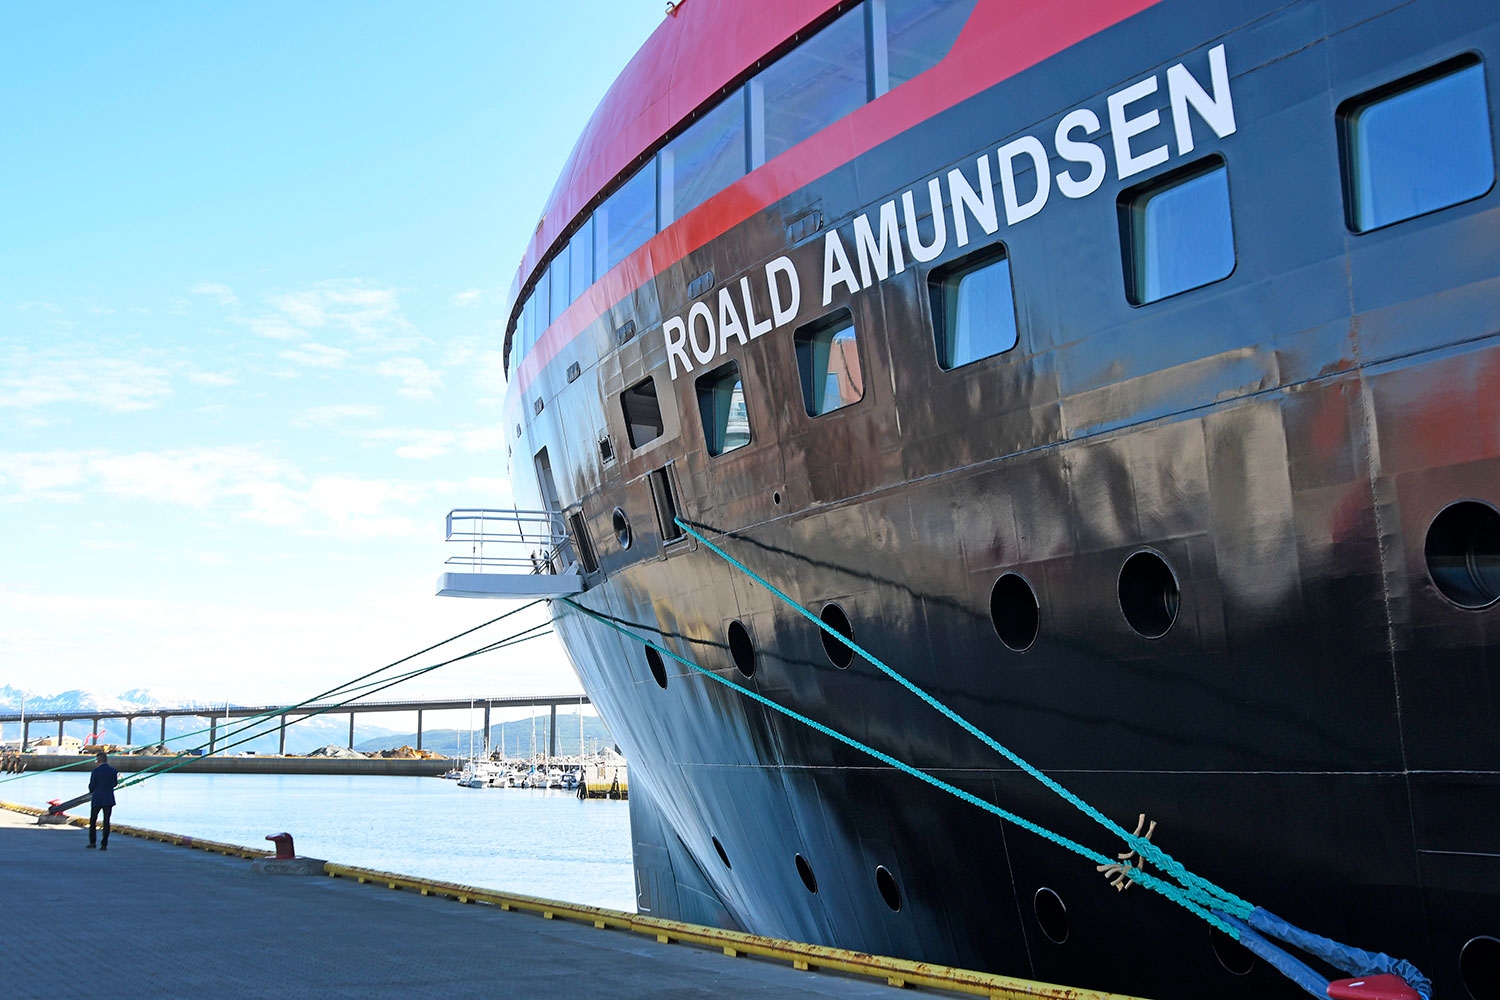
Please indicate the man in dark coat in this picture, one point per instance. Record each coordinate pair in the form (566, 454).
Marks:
(102, 790)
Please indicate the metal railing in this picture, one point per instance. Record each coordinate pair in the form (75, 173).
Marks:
(507, 541)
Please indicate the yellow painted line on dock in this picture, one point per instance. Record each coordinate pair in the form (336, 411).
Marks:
(212, 846)
(894, 971)
(898, 972)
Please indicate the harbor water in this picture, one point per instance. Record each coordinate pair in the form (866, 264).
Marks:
(531, 841)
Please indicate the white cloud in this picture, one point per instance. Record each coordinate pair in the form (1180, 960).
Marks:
(412, 442)
(481, 439)
(120, 385)
(222, 294)
(489, 372)
(273, 327)
(417, 379)
(323, 416)
(468, 297)
(315, 355)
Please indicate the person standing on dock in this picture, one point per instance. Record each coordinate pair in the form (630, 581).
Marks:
(102, 789)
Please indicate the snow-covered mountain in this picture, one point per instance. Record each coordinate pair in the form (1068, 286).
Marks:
(182, 731)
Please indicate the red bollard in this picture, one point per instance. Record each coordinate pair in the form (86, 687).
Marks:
(284, 849)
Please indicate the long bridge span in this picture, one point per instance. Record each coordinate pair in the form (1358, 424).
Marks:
(288, 715)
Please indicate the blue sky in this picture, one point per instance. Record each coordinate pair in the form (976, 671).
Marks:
(253, 266)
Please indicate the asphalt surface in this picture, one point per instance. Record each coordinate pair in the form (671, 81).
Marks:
(153, 920)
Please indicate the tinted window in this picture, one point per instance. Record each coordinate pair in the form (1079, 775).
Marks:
(541, 297)
(974, 309)
(557, 274)
(642, 412)
(626, 219)
(1179, 232)
(814, 85)
(704, 160)
(581, 260)
(918, 34)
(528, 325)
(1422, 148)
(721, 402)
(828, 361)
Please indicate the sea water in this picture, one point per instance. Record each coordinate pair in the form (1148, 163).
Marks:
(530, 841)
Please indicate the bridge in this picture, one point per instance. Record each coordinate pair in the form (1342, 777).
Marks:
(288, 715)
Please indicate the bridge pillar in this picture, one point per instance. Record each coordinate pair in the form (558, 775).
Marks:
(163, 739)
(213, 732)
(129, 727)
(25, 733)
(282, 749)
(59, 735)
(552, 733)
(351, 730)
(94, 733)
(486, 729)
(419, 729)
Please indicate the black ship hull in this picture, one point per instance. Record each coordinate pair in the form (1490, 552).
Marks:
(1317, 728)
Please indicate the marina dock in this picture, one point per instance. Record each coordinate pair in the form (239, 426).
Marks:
(153, 919)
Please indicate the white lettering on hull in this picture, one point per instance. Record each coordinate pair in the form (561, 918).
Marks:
(884, 238)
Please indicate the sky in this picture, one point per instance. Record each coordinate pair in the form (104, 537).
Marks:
(254, 261)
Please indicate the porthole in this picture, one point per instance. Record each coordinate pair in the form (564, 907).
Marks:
(1235, 958)
(658, 668)
(1051, 915)
(839, 654)
(622, 528)
(724, 857)
(741, 648)
(1463, 553)
(1149, 595)
(1014, 612)
(808, 878)
(776, 497)
(889, 890)
(1479, 968)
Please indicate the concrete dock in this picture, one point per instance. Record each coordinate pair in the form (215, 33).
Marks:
(154, 920)
(267, 764)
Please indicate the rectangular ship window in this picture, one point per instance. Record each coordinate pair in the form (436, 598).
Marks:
(581, 260)
(1417, 146)
(974, 308)
(828, 363)
(809, 88)
(917, 35)
(665, 500)
(642, 411)
(1177, 232)
(579, 529)
(721, 403)
(703, 160)
(557, 276)
(626, 219)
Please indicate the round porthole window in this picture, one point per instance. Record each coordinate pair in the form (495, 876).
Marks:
(1463, 553)
(1235, 958)
(1149, 595)
(1014, 612)
(658, 668)
(622, 528)
(805, 872)
(1479, 968)
(838, 654)
(741, 648)
(889, 890)
(1051, 915)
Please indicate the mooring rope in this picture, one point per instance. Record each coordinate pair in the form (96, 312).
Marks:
(1251, 925)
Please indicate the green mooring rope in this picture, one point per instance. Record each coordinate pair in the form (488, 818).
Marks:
(1203, 892)
(1173, 892)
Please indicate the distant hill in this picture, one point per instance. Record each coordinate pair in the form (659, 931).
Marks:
(513, 737)
(300, 737)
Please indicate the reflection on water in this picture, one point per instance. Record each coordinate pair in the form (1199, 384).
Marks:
(542, 843)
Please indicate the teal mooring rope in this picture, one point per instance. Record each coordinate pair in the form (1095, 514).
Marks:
(1217, 906)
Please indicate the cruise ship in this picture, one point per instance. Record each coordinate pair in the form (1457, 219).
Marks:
(1121, 375)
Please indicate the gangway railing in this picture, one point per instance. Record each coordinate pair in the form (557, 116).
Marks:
(511, 553)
